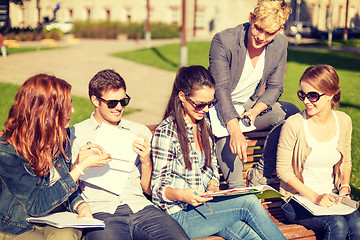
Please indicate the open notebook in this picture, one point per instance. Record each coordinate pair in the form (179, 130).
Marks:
(67, 219)
(261, 192)
(346, 206)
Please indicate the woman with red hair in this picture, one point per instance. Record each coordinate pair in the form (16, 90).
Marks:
(35, 161)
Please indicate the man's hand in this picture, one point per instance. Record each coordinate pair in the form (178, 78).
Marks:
(238, 143)
(142, 147)
(251, 114)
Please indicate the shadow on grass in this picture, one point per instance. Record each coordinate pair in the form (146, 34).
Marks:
(349, 61)
(349, 105)
(165, 59)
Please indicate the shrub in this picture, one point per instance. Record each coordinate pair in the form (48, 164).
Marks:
(111, 30)
(32, 34)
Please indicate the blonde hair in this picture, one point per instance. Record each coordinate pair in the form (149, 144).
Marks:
(271, 15)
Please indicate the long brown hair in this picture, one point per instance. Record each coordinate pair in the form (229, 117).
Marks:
(36, 123)
(187, 80)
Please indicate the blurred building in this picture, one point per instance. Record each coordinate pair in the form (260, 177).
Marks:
(204, 18)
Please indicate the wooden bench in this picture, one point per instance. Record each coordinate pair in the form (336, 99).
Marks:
(256, 142)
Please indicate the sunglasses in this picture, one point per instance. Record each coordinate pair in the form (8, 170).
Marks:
(200, 106)
(311, 96)
(113, 103)
(246, 121)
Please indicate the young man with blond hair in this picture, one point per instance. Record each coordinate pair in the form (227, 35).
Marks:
(248, 65)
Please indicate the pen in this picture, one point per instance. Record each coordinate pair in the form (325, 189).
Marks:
(344, 195)
(206, 204)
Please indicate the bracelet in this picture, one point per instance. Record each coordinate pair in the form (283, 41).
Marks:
(79, 169)
(78, 206)
(346, 186)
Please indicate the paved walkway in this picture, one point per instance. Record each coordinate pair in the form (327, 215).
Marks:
(79, 62)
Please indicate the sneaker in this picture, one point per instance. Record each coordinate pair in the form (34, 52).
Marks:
(255, 178)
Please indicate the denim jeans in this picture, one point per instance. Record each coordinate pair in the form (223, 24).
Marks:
(332, 226)
(149, 223)
(236, 217)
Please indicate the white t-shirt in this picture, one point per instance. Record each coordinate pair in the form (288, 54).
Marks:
(318, 167)
(249, 79)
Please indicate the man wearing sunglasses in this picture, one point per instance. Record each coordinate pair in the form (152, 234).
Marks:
(129, 215)
(248, 65)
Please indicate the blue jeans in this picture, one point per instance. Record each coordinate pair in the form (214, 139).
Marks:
(149, 223)
(236, 217)
(332, 226)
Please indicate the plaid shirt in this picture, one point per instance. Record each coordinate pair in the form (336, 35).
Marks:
(169, 166)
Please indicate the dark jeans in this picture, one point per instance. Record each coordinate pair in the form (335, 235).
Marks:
(332, 226)
(149, 223)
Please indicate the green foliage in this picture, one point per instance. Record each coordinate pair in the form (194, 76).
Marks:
(133, 30)
(164, 30)
(32, 34)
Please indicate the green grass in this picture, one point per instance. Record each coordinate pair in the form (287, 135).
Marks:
(341, 43)
(167, 56)
(346, 64)
(82, 106)
(28, 49)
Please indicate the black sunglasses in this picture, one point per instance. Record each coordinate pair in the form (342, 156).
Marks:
(312, 96)
(200, 106)
(246, 121)
(113, 103)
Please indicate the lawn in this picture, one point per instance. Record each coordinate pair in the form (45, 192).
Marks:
(28, 49)
(346, 64)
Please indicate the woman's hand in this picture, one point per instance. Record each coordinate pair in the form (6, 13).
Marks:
(194, 197)
(92, 155)
(84, 211)
(142, 147)
(325, 200)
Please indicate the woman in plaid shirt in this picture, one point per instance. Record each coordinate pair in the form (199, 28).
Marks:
(185, 168)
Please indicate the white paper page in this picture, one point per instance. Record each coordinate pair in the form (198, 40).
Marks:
(67, 219)
(335, 209)
(118, 143)
(220, 130)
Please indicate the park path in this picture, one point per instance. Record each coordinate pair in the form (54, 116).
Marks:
(77, 63)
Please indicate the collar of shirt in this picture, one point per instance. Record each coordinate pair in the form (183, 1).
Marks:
(96, 125)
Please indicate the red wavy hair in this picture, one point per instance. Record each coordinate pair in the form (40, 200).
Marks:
(36, 123)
